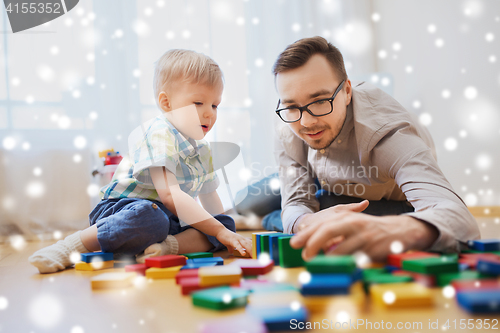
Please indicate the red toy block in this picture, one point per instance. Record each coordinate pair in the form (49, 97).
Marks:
(188, 285)
(186, 273)
(251, 267)
(169, 260)
(397, 259)
(482, 284)
(138, 268)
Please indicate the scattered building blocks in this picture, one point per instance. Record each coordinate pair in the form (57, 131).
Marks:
(94, 266)
(221, 298)
(327, 284)
(431, 265)
(170, 260)
(289, 257)
(138, 268)
(198, 255)
(96, 256)
(395, 295)
(397, 259)
(331, 264)
(219, 275)
(162, 273)
(112, 280)
(484, 245)
(252, 267)
(480, 301)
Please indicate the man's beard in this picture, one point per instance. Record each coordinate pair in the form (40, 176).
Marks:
(304, 132)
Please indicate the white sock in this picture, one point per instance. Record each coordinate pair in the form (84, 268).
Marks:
(168, 246)
(57, 256)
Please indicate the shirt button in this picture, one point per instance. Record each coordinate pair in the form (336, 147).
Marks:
(322, 151)
(155, 206)
(339, 141)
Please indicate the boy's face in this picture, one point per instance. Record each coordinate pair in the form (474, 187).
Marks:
(192, 107)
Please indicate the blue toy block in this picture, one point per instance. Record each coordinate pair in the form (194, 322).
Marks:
(485, 245)
(327, 284)
(218, 260)
(357, 275)
(480, 301)
(274, 252)
(281, 318)
(104, 256)
(391, 269)
(488, 267)
(193, 265)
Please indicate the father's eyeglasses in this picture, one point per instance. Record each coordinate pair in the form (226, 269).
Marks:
(317, 108)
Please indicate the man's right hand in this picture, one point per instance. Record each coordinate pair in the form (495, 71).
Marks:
(327, 214)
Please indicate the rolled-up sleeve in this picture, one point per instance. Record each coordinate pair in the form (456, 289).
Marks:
(297, 182)
(403, 156)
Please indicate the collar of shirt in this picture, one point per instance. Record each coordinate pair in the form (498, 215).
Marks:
(188, 147)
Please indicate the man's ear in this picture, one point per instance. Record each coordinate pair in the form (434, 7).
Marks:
(164, 102)
(348, 90)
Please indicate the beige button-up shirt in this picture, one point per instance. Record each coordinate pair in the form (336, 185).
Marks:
(380, 152)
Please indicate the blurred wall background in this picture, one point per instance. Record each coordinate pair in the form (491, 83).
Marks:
(83, 82)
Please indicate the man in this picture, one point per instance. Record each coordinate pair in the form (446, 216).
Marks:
(358, 142)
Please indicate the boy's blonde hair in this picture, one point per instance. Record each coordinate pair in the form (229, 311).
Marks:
(186, 65)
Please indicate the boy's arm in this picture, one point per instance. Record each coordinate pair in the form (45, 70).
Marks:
(211, 202)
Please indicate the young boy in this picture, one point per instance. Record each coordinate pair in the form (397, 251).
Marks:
(149, 205)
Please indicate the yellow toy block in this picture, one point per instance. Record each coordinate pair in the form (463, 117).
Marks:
(219, 275)
(395, 295)
(162, 273)
(112, 280)
(94, 266)
(323, 304)
(104, 153)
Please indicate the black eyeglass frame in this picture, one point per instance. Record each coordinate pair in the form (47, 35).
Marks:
(304, 108)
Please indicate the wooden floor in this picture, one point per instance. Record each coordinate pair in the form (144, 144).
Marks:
(64, 301)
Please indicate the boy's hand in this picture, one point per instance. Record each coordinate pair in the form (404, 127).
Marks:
(234, 241)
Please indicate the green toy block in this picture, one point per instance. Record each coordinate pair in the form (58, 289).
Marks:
(447, 278)
(369, 272)
(221, 298)
(433, 265)
(331, 264)
(475, 251)
(198, 255)
(264, 243)
(289, 257)
(382, 278)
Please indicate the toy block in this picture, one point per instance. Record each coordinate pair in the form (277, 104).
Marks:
(390, 268)
(484, 245)
(385, 279)
(193, 265)
(367, 272)
(471, 259)
(96, 256)
(253, 266)
(239, 323)
(475, 252)
(470, 285)
(331, 264)
(112, 280)
(289, 257)
(162, 273)
(397, 259)
(264, 243)
(274, 252)
(327, 284)
(488, 267)
(169, 260)
(396, 295)
(431, 265)
(198, 255)
(190, 284)
(321, 304)
(279, 318)
(256, 243)
(426, 280)
(94, 266)
(463, 266)
(217, 275)
(272, 287)
(237, 253)
(218, 260)
(447, 278)
(185, 273)
(480, 301)
(138, 268)
(221, 298)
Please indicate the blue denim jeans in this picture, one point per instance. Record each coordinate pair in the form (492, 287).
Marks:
(261, 200)
(128, 226)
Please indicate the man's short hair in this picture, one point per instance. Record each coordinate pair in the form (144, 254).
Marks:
(185, 65)
(298, 53)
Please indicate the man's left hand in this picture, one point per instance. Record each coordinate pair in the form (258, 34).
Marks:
(372, 235)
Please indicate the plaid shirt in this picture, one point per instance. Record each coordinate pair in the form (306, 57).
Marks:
(157, 143)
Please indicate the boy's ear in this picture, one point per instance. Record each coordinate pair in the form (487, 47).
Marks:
(164, 101)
